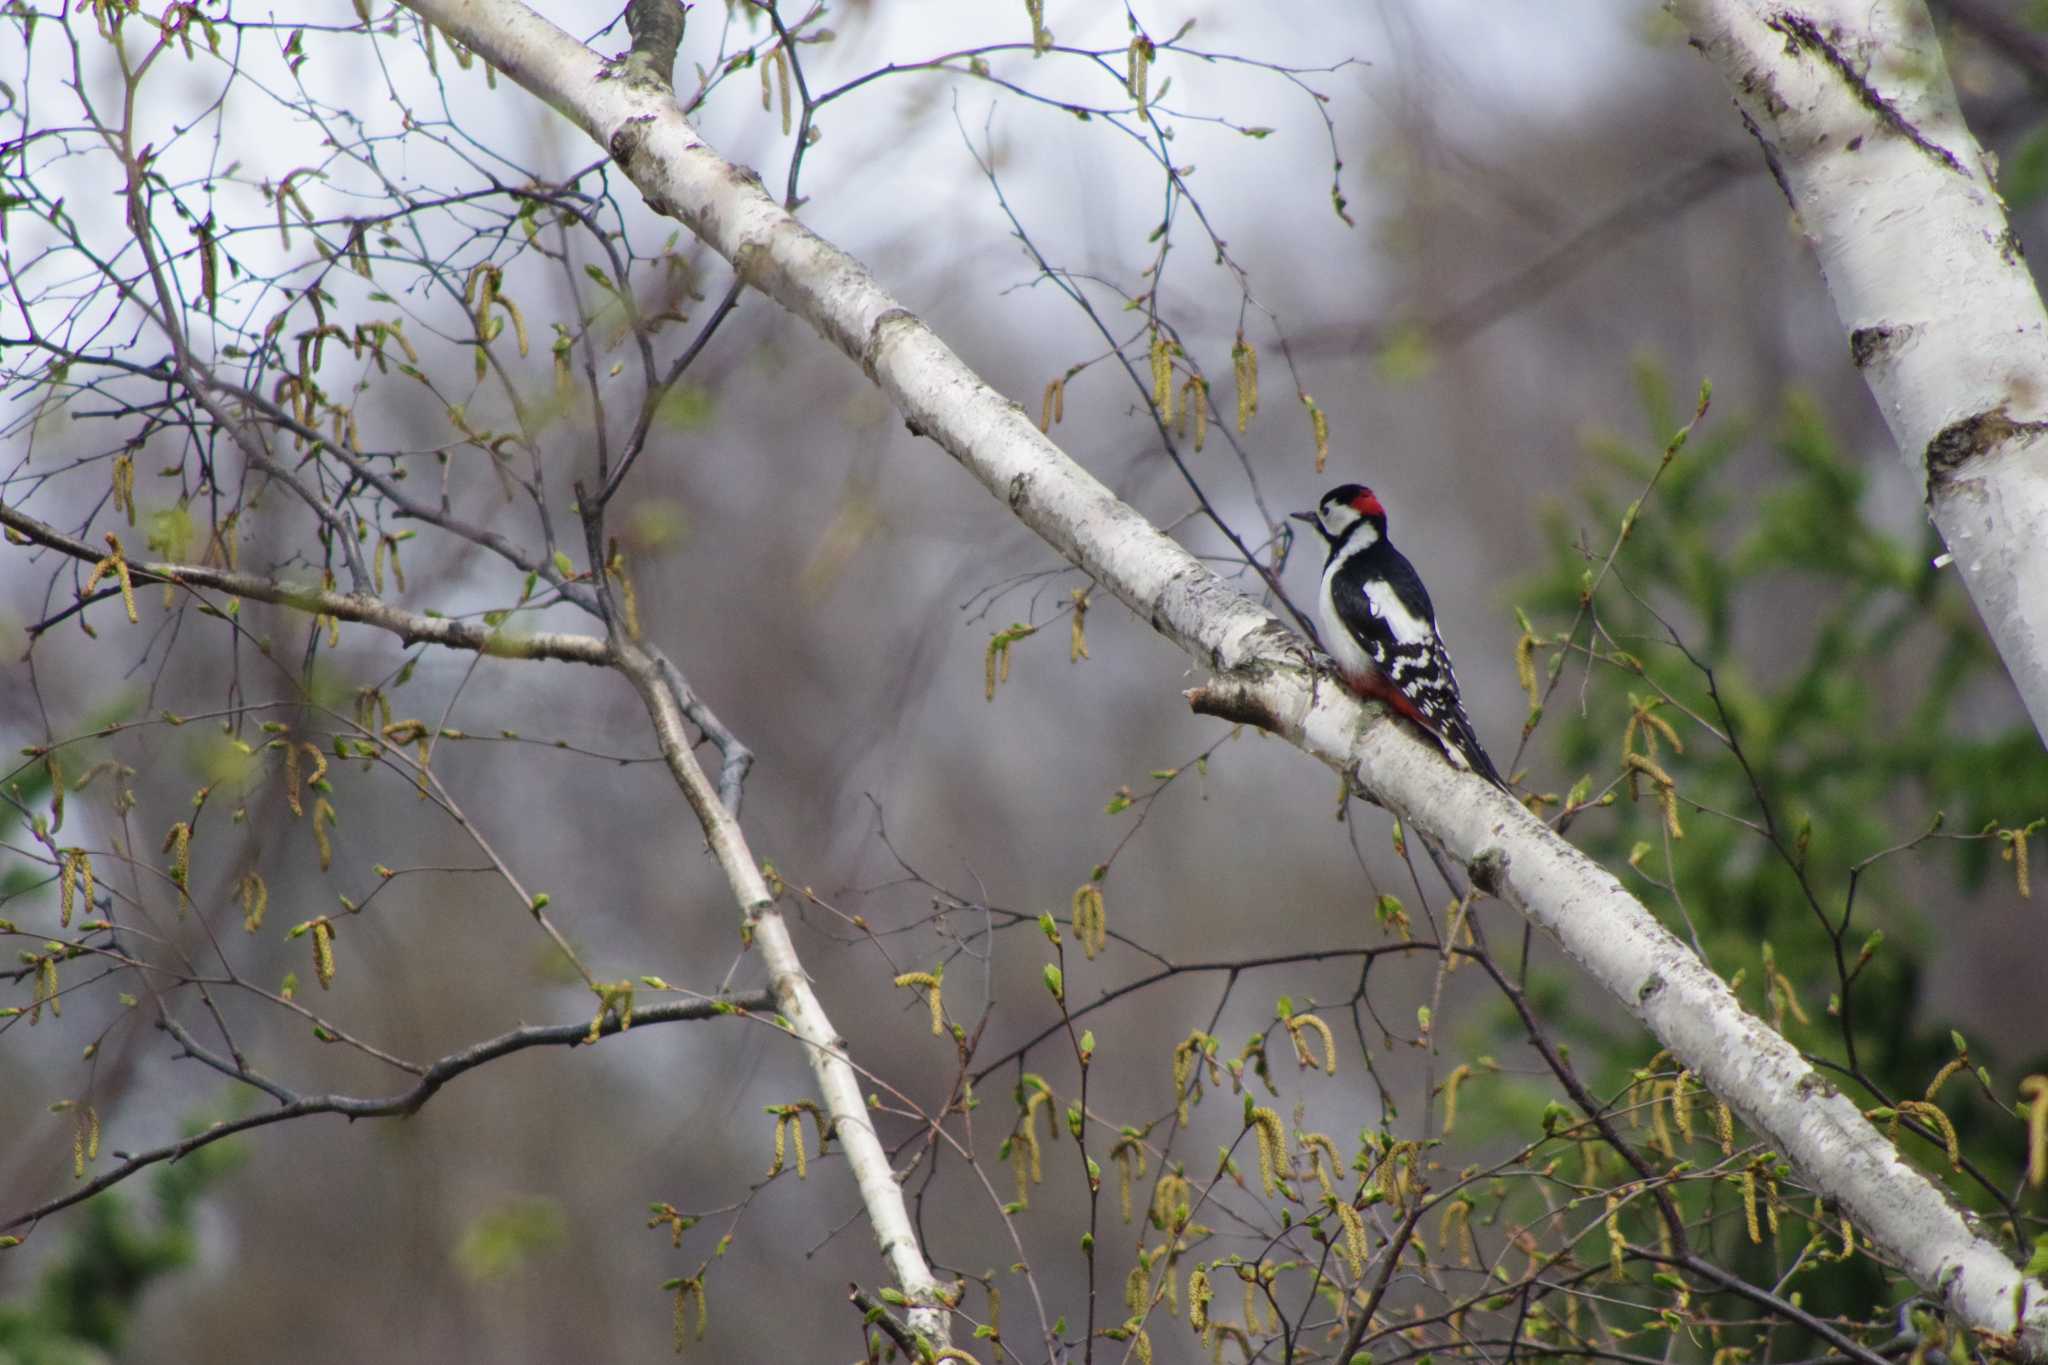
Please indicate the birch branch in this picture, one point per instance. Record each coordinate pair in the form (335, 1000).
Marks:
(410, 627)
(1266, 675)
(800, 1008)
(1851, 103)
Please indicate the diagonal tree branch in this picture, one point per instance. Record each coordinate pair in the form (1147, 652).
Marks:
(800, 1009)
(403, 1104)
(1267, 676)
(409, 627)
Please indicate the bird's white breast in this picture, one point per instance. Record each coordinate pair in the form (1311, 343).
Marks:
(1346, 651)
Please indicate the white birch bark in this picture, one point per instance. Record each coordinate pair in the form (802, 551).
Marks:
(1263, 670)
(1852, 103)
(838, 1084)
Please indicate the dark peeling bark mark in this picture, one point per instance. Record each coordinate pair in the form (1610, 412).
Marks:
(1238, 706)
(1870, 344)
(877, 337)
(2009, 248)
(1813, 1083)
(752, 262)
(1777, 167)
(1653, 985)
(1489, 870)
(1960, 442)
(625, 142)
(1802, 32)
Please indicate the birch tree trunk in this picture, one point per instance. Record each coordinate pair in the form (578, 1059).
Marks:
(1264, 672)
(1852, 105)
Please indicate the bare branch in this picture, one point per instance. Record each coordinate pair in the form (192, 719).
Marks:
(410, 627)
(400, 1105)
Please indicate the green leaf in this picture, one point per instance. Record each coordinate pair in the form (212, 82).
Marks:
(2026, 170)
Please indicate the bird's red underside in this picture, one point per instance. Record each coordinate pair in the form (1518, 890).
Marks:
(1375, 687)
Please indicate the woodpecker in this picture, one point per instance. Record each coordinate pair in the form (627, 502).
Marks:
(1379, 626)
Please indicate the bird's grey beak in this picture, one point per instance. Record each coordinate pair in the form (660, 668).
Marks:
(1308, 517)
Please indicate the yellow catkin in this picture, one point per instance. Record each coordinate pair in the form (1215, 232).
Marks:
(46, 990)
(116, 565)
(1451, 1083)
(1091, 922)
(255, 898)
(1023, 1152)
(1050, 406)
(1186, 1060)
(1724, 1127)
(1660, 1130)
(67, 887)
(2015, 852)
(1319, 423)
(1617, 1248)
(1162, 377)
(1136, 1284)
(928, 982)
(124, 486)
(1681, 1104)
(178, 843)
(1356, 1248)
(1953, 1065)
(1933, 1117)
(120, 563)
(1199, 1294)
(1244, 366)
(782, 86)
(1323, 1160)
(1300, 1025)
(1031, 1108)
(323, 816)
(292, 778)
(1525, 668)
(1272, 1138)
(1756, 1233)
(1168, 1196)
(2034, 1092)
(323, 952)
(686, 1290)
